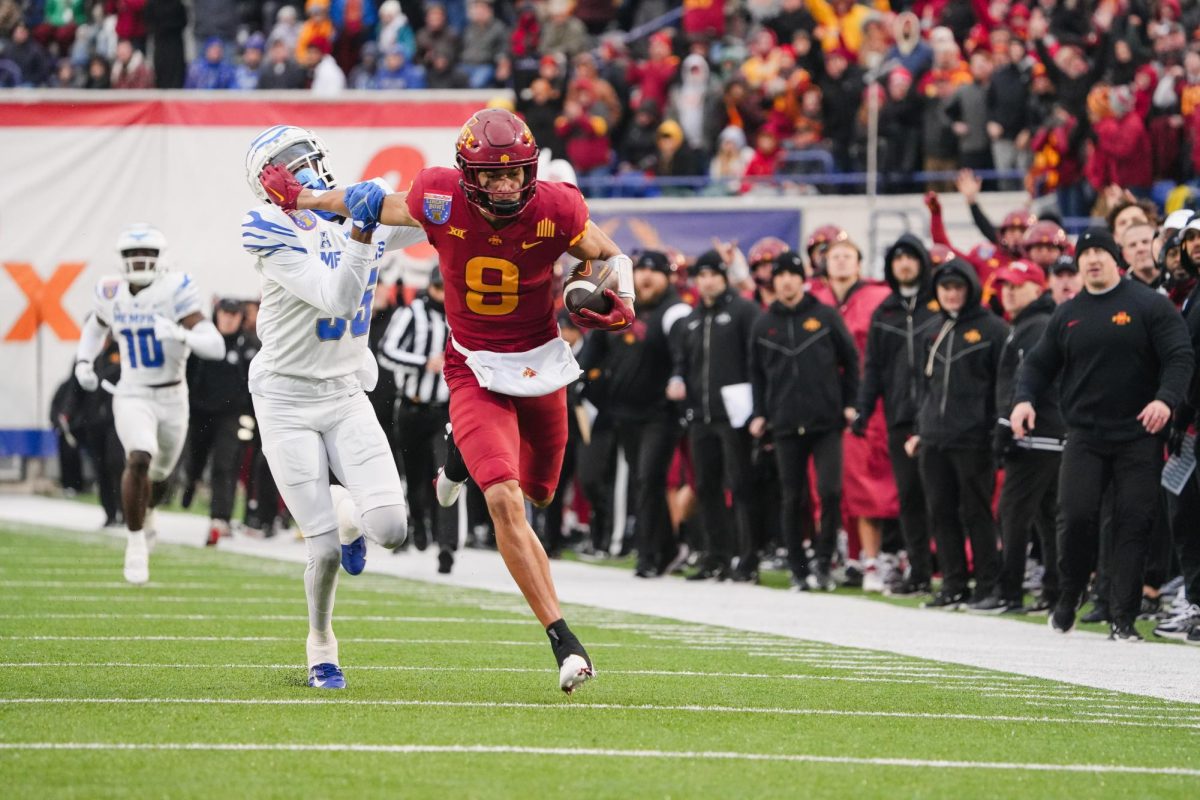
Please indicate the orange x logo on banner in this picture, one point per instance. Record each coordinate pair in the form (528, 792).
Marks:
(45, 301)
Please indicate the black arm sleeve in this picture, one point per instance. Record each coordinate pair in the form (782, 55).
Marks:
(872, 382)
(1041, 365)
(1169, 335)
(984, 224)
(758, 375)
(847, 356)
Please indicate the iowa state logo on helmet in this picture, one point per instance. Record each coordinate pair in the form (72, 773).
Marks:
(437, 207)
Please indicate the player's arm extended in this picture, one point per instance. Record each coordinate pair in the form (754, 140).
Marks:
(596, 244)
(287, 193)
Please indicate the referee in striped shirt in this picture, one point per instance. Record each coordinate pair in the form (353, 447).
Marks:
(412, 348)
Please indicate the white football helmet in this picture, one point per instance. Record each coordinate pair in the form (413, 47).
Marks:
(141, 249)
(302, 152)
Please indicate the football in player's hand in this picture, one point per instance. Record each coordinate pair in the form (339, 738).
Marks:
(585, 285)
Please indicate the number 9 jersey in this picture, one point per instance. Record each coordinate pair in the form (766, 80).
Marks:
(145, 360)
(499, 281)
(296, 251)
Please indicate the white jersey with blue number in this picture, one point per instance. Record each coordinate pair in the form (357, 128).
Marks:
(145, 361)
(295, 249)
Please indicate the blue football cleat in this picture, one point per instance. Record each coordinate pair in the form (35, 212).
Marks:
(326, 676)
(354, 556)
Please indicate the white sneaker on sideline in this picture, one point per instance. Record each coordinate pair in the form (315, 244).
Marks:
(872, 582)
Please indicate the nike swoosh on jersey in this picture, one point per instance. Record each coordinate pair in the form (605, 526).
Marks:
(527, 245)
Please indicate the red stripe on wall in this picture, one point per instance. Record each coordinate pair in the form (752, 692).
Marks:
(228, 113)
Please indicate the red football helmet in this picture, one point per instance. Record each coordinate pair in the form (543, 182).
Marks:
(825, 236)
(1019, 219)
(767, 248)
(1045, 232)
(495, 139)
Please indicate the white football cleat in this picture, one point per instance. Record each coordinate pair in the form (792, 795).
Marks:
(137, 559)
(446, 487)
(573, 673)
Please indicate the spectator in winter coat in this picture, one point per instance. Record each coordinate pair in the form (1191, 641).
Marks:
(639, 148)
(968, 111)
(28, 55)
(842, 91)
(764, 164)
(540, 110)
(280, 71)
(603, 99)
(842, 22)
(651, 78)
(688, 100)
(910, 50)
(675, 158)
(562, 32)
(396, 73)
(129, 69)
(317, 26)
(1008, 116)
(485, 42)
(287, 27)
(363, 74)
(245, 74)
(1121, 147)
(441, 73)
(585, 140)
(436, 34)
(899, 117)
(937, 88)
(130, 22)
(394, 29)
(210, 70)
(729, 163)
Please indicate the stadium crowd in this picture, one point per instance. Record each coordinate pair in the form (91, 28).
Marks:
(739, 96)
(777, 409)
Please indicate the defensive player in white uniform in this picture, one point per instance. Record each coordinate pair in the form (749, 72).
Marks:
(156, 319)
(308, 380)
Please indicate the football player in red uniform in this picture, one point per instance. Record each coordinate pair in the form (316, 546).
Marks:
(498, 232)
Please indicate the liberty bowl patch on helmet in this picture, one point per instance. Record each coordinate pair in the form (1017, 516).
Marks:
(437, 207)
(109, 289)
(305, 220)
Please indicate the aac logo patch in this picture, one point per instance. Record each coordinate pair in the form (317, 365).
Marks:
(1121, 318)
(812, 324)
(305, 220)
(973, 336)
(437, 207)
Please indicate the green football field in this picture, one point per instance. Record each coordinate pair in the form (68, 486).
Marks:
(194, 686)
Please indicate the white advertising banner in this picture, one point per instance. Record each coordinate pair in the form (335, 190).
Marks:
(79, 167)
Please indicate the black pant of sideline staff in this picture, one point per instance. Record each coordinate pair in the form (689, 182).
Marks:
(104, 448)
(959, 485)
(721, 458)
(214, 435)
(914, 519)
(792, 452)
(421, 436)
(1088, 468)
(648, 448)
(1029, 501)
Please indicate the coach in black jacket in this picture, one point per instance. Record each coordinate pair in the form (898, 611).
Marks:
(954, 432)
(1125, 362)
(804, 372)
(634, 366)
(710, 354)
(1029, 499)
(893, 365)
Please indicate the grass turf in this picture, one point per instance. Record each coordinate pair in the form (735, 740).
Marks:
(212, 649)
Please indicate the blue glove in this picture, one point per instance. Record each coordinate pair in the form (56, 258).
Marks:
(365, 202)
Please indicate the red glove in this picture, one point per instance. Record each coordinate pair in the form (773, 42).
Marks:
(933, 203)
(281, 185)
(620, 317)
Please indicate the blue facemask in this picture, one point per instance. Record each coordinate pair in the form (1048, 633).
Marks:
(309, 179)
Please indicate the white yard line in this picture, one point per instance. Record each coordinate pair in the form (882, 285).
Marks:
(574, 752)
(577, 707)
(1085, 659)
